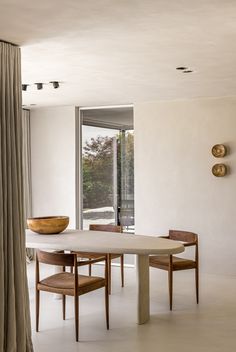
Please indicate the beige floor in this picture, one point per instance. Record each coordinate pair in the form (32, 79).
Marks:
(210, 326)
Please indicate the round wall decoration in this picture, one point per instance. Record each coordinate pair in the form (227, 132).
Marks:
(219, 170)
(219, 150)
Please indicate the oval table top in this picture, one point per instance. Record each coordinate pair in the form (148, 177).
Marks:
(103, 242)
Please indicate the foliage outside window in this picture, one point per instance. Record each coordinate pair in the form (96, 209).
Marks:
(98, 170)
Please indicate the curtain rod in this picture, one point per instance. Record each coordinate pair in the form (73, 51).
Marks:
(6, 42)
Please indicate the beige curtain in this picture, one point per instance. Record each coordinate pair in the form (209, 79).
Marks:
(15, 330)
(27, 173)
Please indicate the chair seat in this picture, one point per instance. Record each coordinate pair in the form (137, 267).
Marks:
(88, 255)
(114, 256)
(64, 283)
(162, 262)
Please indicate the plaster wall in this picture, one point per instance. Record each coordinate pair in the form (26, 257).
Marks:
(53, 161)
(174, 186)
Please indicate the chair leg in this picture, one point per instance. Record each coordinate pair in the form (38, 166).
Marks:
(107, 305)
(109, 274)
(197, 284)
(90, 268)
(64, 306)
(76, 302)
(170, 277)
(37, 309)
(122, 270)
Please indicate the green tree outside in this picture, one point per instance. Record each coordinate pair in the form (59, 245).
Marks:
(98, 170)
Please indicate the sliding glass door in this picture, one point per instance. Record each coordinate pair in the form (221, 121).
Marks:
(99, 168)
(107, 172)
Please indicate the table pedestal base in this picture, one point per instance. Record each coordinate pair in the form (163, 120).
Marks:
(143, 308)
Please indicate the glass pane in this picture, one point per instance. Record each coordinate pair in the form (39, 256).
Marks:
(99, 175)
(126, 201)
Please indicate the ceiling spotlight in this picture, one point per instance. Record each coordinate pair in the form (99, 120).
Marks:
(39, 85)
(55, 84)
(187, 71)
(181, 68)
(24, 86)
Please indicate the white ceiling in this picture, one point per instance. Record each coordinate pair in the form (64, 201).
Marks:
(123, 51)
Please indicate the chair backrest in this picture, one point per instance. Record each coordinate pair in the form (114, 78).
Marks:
(183, 236)
(61, 259)
(106, 228)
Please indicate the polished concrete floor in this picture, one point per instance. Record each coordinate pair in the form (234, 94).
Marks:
(207, 327)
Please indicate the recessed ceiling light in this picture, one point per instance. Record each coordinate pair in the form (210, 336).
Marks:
(181, 68)
(187, 71)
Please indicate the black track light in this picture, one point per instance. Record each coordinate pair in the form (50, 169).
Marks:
(24, 86)
(39, 85)
(55, 84)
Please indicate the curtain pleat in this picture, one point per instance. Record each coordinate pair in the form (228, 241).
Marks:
(27, 173)
(15, 330)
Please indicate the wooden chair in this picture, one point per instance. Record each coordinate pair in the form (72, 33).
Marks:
(100, 257)
(68, 284)
(172, 263)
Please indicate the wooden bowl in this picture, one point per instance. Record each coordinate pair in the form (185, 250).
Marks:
(48, 224)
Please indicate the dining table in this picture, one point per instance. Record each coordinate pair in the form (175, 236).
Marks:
(110, 242)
